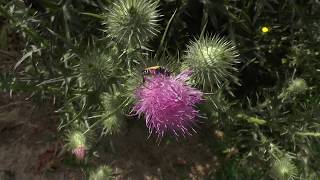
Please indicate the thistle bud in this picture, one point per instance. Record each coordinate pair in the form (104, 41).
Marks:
(132, 22)
(78, 140)
(112, 116)
(297, 86)
(96, 70)
(211, 59)
(77, 143)
(283, 169)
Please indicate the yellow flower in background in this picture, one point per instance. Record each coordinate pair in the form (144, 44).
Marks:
(265, 29)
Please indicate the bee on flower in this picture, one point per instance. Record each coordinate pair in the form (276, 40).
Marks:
(155, 70)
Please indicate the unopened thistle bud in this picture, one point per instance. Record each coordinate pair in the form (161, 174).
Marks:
(112, 118)
(96, 70)
(295, 87)
(132, 22)
(284, 169)
(211, 59)
(101, 173)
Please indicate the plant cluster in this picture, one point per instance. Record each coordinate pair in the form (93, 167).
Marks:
(248, 69)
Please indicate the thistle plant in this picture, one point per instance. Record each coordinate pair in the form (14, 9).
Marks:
(132, 22)
(101, 173)
(243, 124)
(212, 60)
(97, 70)
(168, 104)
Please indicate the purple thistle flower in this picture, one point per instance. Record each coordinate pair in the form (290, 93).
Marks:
(79, 152)
(168, 104)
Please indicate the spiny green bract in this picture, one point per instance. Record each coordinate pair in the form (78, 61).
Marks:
(133, 81)
(211, 59)
(76, 139)
(112, 117)
(284, 169)
(101, 173)
(97, 70)
(132, 22)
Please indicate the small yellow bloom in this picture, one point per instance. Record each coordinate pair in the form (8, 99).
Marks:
(265, 29)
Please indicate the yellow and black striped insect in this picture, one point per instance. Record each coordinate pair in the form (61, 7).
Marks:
(155, 70)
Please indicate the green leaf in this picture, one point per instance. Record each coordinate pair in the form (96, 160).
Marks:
(93, 15)
(24, 57)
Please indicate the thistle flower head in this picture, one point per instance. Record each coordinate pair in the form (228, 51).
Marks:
(212, 60)
(101, 173)
(284, 169)
(132, 21)
(96, 70)
(168, 104)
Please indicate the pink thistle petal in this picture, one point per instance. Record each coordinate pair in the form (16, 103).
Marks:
(168, 104)
(79, 152)
(185, 75)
